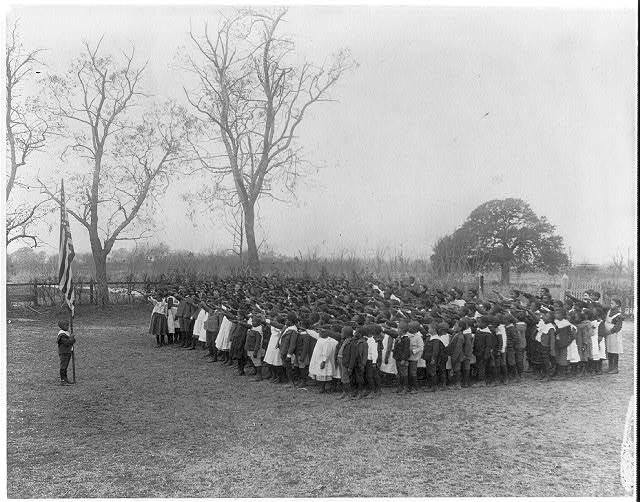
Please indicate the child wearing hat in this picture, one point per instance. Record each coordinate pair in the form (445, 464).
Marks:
(65, 343)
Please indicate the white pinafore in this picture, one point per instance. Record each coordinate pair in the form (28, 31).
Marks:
(390, 367)
(325, 350)
(222, 340)
(614, 340)
(272, 355)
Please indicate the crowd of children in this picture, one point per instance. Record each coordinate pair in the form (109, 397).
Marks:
(355, 339)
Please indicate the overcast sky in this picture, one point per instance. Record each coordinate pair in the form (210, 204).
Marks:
(449, 108)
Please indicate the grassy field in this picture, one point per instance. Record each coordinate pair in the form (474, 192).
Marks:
(146, 422)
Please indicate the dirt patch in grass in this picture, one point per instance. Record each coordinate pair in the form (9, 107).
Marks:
(146, 422)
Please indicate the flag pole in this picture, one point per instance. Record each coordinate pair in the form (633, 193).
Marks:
(73, 348)
(65, 273)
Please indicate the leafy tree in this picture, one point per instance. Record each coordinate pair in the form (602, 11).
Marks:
(506, 233)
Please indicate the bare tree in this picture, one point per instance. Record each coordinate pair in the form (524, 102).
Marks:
(251, 98)
(617, 263)
(27, 126)
(129, 152)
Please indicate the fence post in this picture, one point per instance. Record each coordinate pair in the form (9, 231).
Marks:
(35, 294)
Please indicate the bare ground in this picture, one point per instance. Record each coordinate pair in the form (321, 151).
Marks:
(146, 422)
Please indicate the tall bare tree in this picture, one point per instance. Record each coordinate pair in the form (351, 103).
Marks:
(251, 97)
(124, 154)
(27, 125)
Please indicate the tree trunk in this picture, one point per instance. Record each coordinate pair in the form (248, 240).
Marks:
(505, 273)
(102, 288)
(252, 249)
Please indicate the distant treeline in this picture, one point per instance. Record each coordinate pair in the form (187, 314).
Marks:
(152, 263)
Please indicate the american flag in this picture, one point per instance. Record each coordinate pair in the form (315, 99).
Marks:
(65, 276)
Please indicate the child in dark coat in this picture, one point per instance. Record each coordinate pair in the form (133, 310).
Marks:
(343, 358)
(65, 348)
(455, 349)
(438, 363)
(583, 341)
(520, 343)
(287, 347)
(358, 362)
(401, 352)
(480, 349)
(467, 350)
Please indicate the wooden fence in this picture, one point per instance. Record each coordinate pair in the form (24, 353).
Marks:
(48, 294)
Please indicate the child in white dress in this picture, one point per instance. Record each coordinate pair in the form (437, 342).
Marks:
(321, 366)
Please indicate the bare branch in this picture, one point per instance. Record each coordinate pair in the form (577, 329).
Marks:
(253, 100)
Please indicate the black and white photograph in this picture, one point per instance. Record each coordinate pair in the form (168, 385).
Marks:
(319, 250)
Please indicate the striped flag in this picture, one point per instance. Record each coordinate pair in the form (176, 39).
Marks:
(65, 276)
